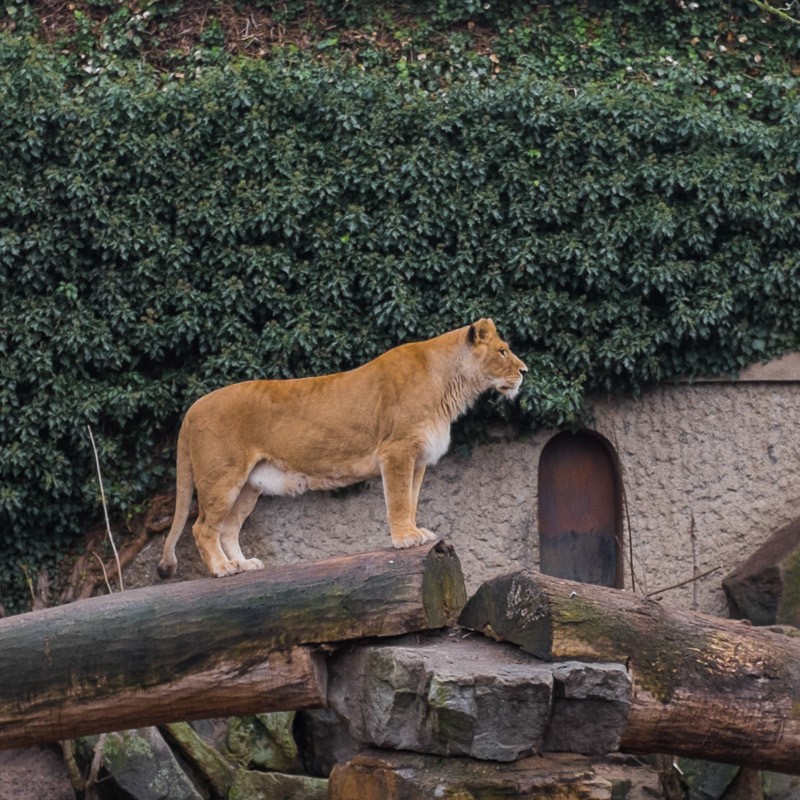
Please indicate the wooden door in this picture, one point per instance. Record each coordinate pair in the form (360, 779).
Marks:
(580, 525)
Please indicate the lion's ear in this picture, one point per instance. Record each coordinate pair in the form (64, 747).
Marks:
(480, 331)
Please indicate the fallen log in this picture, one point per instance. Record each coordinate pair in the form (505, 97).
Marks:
(386, 775)
(211, 647)
(702, 686)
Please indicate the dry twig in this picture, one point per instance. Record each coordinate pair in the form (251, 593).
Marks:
(73, 773)
(683, 583)
(105, 574)
(105, 511)
(94, 770)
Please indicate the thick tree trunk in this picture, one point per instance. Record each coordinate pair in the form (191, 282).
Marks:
(703, 687)
(210, 647)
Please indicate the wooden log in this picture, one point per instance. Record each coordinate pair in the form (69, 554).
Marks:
(386, 775)
(278, 681)
(210, 647)
(205, 760)
(703, 687)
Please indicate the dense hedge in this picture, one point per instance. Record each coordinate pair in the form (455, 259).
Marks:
(159, 239)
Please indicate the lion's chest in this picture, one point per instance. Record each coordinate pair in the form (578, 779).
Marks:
(436, 444)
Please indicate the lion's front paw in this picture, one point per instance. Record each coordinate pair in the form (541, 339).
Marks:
(412, 538)
(225, 568)
(249, 564)
(428, 536)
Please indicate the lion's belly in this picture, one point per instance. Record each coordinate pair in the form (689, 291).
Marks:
(272, 480)
(269, 479)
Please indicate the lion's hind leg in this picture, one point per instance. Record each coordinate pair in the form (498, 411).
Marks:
(215, 508)
(229, 537)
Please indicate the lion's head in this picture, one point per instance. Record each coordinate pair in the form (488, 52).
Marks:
(500, 368)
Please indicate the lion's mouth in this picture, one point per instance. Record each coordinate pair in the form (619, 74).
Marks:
(509, 390)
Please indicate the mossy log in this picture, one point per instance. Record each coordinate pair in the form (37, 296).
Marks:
(702, 686)
(212, 647)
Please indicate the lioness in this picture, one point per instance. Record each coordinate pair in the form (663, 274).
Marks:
(390, 417)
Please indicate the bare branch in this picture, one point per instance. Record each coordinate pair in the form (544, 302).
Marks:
(105, 574)
(781, 13)
(683, 583)
(105, 510)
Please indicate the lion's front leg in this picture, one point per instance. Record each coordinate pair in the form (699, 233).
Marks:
(401, 482)
(416, 485)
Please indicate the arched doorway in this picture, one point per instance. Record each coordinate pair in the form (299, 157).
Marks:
(580, 510)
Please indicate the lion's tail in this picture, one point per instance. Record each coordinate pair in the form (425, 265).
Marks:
(184, 483)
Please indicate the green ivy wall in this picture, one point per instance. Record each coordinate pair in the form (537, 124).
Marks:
(161, 236)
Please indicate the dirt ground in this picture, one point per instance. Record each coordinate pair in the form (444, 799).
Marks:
(37, 773)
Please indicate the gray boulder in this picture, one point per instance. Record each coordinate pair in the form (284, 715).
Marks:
(765, 588)
(590, 707)
(444, 695)
(323, 740)
(141, 766)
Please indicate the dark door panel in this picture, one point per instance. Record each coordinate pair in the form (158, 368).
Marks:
(579, 517)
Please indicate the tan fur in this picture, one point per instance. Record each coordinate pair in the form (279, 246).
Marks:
(390, 417)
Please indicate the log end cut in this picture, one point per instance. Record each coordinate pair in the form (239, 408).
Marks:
(512, 608)
(443, 591)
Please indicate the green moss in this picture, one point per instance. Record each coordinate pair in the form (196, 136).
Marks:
(659, 662)
(204, 758)
(126, 745)
(264, 741)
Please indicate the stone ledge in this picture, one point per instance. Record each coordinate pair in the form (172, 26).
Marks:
(463, 695)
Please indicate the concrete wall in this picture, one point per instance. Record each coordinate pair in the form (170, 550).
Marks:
(727, 454)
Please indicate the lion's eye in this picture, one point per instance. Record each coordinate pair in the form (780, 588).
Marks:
(503, 352)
